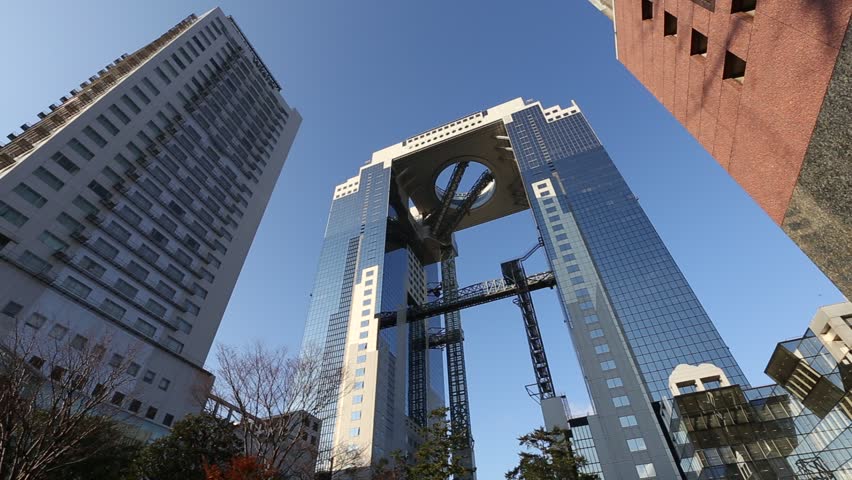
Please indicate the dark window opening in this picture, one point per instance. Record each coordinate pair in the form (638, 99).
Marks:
(36, 362)
(734, 67)
(745, 6)
(647, 9)
(699, 43)
(669, 25)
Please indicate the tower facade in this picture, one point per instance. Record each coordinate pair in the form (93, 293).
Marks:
(129, 208)
(632, 316)
(764, 87)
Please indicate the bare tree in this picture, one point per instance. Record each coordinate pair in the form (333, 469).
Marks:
(274, 396)
(54, 402)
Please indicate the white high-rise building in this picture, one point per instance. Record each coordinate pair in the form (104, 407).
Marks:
(128, 209)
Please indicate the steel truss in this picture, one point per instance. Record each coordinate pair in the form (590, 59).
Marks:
(470, 296)
(456, 372)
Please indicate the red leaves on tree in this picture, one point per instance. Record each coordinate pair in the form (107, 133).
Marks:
(239, 468)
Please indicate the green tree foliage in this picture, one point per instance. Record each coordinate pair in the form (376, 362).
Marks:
(551, 458)
(433, 458)
(195, 441)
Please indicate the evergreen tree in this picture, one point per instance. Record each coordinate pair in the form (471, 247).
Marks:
(433, 459)
(195, 442)
(552, 458)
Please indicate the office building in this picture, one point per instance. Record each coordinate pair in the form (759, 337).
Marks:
(765, 87)
(129, 208)
(632, 316)
(800, 427)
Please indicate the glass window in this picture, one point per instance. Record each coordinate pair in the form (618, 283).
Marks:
(119, 114)
(603, 348)
(30, 195)
(85, 205)
(145, 327)
(33, 262)
(359, 385)
(608, 365)
(68, 222)
(48, 178)
(363, 335)
(162, 76)
(164, 384)
(596, 333)
(136, 271)
(36, 320)
(65, 163)
(362, 359)
(687, 388)
(108, 125)
(126, 288)
(105, 249)
(362, 346)
(354, 431)
(58, 332)
(12, 216)
(621, 401)
(165, 290)
(133, 369)
(149, 376)
(151, 413)
(80, 149)
(116, 360)
(646, 470)
(184, 326)
(76, 287)
(79, 342)
(711, 383)
(130, 104)
(154, 90)
(95, 136)
(155, 307)
(12, 309)
(627, 421)
(113, 309)
(590, 319)
(359, 372)
(356, 415)
(636, 444)
(357, 399)
(52, 241)
(614, 382)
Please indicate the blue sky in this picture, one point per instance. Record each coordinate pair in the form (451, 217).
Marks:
(367, 74)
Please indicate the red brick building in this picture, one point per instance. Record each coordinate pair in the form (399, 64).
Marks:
(766, 87)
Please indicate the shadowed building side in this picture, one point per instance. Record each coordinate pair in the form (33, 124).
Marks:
(766, 87)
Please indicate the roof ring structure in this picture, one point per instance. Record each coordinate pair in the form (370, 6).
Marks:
(474, 170)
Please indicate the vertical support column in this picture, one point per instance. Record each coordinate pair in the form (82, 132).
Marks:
(417, 380)
(456, 372)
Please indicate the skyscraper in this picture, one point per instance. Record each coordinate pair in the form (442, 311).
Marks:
(764, 86)
(632, 316)
(129, 208)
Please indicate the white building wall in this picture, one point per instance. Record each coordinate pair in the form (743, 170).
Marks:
(177, 349)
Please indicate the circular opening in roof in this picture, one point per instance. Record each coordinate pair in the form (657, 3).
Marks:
(470, 177)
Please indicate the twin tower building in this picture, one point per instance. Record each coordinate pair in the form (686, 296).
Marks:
(128, 209)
